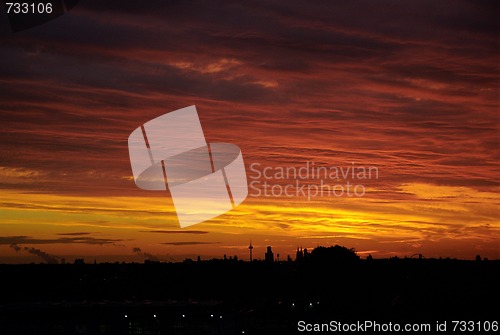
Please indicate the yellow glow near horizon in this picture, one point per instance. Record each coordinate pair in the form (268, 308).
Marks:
(447, 213)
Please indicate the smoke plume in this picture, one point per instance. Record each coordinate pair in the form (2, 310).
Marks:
(15, 247)
(45, 256)
(145, 254)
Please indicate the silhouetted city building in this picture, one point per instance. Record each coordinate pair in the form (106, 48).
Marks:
(306, 254)
(299, 256)
(269, 257)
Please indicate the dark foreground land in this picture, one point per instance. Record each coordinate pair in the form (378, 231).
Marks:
(231, 297)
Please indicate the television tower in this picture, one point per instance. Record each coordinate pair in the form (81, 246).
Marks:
(250, 247)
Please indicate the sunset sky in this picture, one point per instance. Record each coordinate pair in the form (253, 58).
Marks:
(411, 88)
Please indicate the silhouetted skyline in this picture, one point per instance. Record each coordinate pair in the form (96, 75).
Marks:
(228, 296)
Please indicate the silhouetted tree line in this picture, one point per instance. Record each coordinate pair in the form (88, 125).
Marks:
(337, 254)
